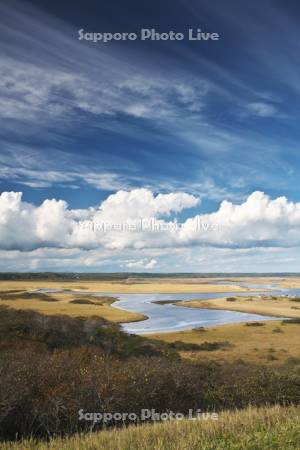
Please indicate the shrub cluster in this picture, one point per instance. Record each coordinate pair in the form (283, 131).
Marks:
(51, 367)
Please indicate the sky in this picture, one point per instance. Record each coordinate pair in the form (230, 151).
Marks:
(150, 155)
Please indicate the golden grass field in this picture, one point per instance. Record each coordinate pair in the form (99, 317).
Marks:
(275, 428)
(264, 305)
(151, 285)
(270, 344)
(284, 282)
(62, 304)
(168, 286)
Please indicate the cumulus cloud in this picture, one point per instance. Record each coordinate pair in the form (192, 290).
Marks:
(259, 221)
(52, 224)
(141, 264)
(138, 219)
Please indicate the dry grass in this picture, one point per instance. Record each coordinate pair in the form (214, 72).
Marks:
(151, 286)
(285, 282)
(63, 306)
(264, 305)
(256, 344)
(250, 429)
(58, 303)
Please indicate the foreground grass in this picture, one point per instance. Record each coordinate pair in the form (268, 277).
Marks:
(271, 343)
(250, 429)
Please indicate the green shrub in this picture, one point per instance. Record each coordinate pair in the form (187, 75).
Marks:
(277, 330)
(295, 320)
(205, 346)
(82, 301)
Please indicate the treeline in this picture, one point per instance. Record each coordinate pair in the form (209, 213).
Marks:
(52, 367)
(127, 275)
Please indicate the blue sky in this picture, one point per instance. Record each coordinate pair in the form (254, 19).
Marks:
(216, 120)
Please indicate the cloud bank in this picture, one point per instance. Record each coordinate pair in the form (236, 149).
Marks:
(139, 219)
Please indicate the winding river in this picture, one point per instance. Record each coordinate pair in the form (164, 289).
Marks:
(169, 317)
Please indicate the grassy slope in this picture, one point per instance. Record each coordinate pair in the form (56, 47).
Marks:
(273, 428)
(259, 344)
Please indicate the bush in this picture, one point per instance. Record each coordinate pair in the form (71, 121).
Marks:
(206, 346)
(82, 301)
(295, 320)
(51, 367)
(58, 332)
(277, 330)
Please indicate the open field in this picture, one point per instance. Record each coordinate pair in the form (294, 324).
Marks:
(264, 305)
(70, 304)
(127, 286)
(284, 282)
(275, 428)
(270, 343)
(152, 284)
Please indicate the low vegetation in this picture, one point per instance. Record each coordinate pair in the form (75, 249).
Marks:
(21, 328)
(255, 324)
(13, 295)
(205, 346)
(82, 301)
(274, 428)
(249, 343)
(51, 367)
(291, 321)
(75, 356)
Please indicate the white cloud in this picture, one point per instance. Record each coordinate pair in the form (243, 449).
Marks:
(62, 81)
(141, 203)
(41, 169)
(262, 109)
(141, 264)
(42, 95)
(52, 224)
(257, 222)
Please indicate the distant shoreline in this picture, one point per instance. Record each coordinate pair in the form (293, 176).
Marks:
(73, 276)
